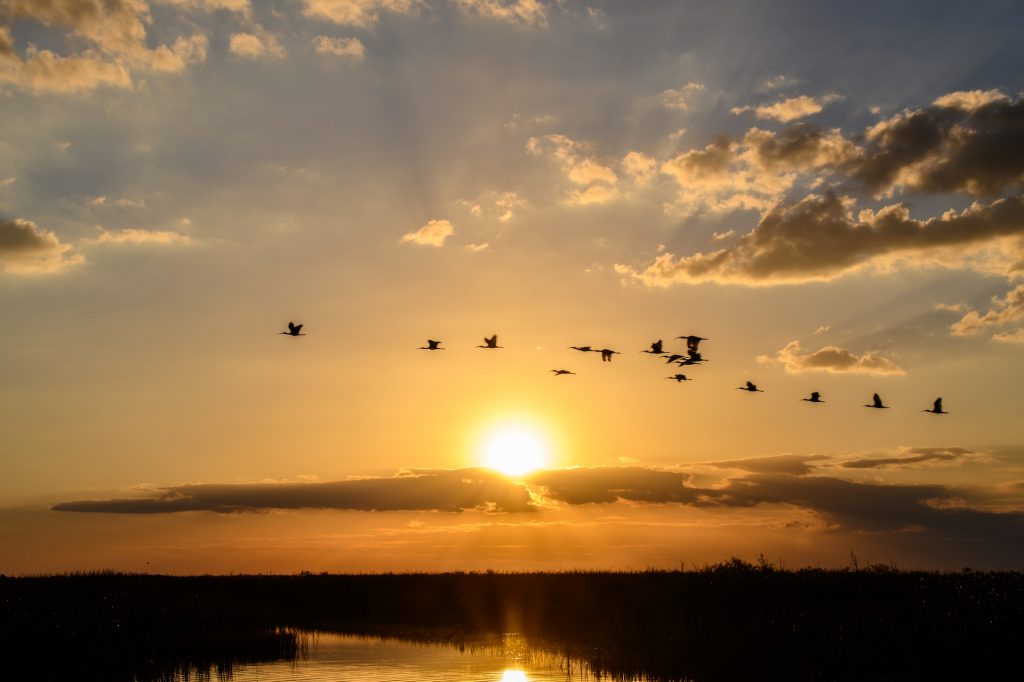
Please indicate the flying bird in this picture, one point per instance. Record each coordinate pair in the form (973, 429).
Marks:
(936, 407)
(692, 342)
(431, 345)
(655, 348)
(679, 377)
(293, 330)
(672, 358)
(692, 360)
(607, 353)
(585, 349)
(876, 402)
(815, 398)
(751, 386)
(560, 372)
(491, 342)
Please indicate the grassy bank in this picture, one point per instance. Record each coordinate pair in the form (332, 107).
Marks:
(724, 622)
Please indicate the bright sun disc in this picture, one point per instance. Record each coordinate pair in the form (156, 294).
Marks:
(514, 451)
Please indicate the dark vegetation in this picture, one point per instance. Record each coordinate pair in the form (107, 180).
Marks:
(725, 622)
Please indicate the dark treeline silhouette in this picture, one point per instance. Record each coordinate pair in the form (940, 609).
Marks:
(725, 622)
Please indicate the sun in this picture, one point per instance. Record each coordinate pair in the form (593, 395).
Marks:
(515, 450)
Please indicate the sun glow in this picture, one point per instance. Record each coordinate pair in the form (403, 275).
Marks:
(514, 676)
(515, 450)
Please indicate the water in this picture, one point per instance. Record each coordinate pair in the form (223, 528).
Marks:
(342, 658)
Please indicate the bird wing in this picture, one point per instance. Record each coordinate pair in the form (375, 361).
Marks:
(938, 405)
(877, 400)
(751, 386)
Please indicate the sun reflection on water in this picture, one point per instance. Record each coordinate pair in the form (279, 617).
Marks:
(514, 676)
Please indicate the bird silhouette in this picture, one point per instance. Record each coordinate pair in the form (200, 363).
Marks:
(607, 353)
(815, 398)
(692, 360)
(679, 377)
(560, 372)
(431, 345)
(751, 386)
(293, 330)
(876, 402)
(692, 342)
(936, 407)
(491, 342)
(585, 349)
(655, 348)
(672, 358)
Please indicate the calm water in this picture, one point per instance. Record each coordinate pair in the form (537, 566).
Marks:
(337, 658)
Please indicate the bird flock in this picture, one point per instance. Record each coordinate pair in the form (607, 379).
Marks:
(691, 358)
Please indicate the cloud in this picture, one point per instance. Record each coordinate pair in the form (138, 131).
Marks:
(137, 237)
(26, 249)
(932, 510)
(360, 13)
(834, 360)
(450, 491)
(800, 148)
(602, 485)
(969, 100)
(796, 465)
(43, 71)
(348, 48)
(876, 507)
(523, 12)
(640, 167)
(966, 142)
(679, 99)
(778, 82)
(242, 7)
(256, 45)
(106, 40)
(1009, 308)
(1010, 337)
(595, 181)
(434, 233)
(818, 238)
(912, 456)
(789, 109)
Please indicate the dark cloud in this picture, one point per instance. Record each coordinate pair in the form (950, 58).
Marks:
(799, 148)
(797, 465)
(451, 491)
(784, 480)
(910, 456)
(877, 507)
(965, 142)
(819, 238)
(27, 249)
(586, 485)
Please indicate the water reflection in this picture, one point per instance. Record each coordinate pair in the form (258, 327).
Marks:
(336, 658)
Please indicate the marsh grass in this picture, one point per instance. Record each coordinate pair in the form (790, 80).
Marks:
(733, 620)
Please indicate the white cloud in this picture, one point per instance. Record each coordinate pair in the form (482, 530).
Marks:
(434, 233)
(355, 12)
(136, 237)
(969, 100)
(1009, 308)
(523, 12)
(789, 109)
(679, 99)
(256, 45)
(832, 359)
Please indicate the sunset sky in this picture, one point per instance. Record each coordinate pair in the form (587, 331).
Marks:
(830, 193)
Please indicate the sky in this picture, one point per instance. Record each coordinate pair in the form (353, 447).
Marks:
(830, 194)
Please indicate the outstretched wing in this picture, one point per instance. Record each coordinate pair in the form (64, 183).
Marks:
(876, 400)
(937, 406)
